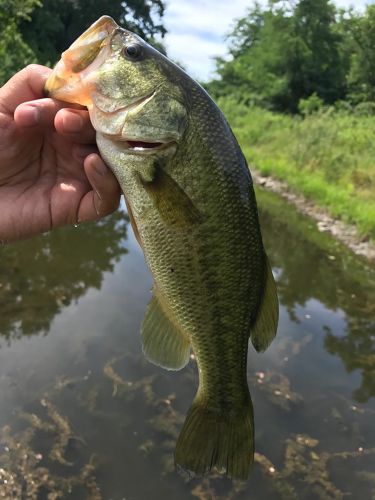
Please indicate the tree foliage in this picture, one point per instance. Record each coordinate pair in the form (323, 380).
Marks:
(290, 50)
(39, 30)
(57, 23)
(362, 72)
(14, 51)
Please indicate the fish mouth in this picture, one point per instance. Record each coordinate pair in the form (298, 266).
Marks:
(142, 147)
(70, 70)
(133, 144)
(85, 49)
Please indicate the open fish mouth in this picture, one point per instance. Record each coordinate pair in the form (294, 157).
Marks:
(141, 146)
(75, 62)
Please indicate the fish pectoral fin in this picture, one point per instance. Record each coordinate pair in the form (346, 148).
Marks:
(173, 204)
(163, 343)
(264, 330)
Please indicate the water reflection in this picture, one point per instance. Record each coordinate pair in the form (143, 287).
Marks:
(84, 415)
(41, 276)
(357, 349)
(311, 264)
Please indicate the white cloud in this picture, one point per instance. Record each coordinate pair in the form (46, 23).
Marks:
(197, 29)
(211, 16)
(193, 52)
(357, 4)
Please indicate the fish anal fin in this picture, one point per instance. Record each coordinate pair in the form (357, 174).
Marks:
(171, 201)
(163, 343)
(264, 329)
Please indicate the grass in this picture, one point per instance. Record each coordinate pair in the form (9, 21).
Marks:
(329, 157)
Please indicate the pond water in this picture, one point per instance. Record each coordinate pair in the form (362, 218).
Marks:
(84, 416)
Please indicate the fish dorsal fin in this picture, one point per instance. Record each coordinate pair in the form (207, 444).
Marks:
(264, 330)
(162, 342)
(173, 204)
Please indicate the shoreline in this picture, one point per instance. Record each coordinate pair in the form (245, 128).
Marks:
(345, 233)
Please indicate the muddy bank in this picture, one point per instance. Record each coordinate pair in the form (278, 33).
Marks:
(345, 233)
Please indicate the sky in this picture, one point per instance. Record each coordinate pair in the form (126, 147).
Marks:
(197, 29)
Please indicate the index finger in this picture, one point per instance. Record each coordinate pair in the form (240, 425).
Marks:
(26, 85)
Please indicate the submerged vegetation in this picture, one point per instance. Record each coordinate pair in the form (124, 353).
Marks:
(96, 424)
(67, 462)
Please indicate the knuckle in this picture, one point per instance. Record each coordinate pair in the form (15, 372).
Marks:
(32, 68)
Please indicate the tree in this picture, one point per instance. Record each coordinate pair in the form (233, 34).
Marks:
(39, 30)
(362, 74)
(57, 23)
(14, 51)
(316, 65)
(283, 53)
(256, 72)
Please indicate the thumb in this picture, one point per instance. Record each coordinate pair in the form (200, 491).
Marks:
(26, 85)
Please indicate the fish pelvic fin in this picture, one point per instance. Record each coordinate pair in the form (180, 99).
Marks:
(211, 439)
(163, 343)
(264, 330)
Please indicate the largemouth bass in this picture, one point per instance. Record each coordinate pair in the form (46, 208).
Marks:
(192, 206)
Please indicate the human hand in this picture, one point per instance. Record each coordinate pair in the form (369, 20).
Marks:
(50, 171)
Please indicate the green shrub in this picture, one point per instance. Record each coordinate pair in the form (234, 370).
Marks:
(365, 109)
(310, 105)
(328, 156)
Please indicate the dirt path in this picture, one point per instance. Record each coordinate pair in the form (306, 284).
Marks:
(345, 233)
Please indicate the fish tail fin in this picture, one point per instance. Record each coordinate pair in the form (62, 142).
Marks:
(214, 439)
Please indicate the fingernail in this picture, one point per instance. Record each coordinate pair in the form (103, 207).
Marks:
(73, 122)
(100, 167)
(30, 116)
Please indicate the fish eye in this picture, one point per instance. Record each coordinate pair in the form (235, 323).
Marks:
(133, 52)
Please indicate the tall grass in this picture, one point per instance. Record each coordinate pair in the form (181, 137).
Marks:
(328, 156)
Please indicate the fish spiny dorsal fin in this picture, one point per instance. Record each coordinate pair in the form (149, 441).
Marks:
(162, 342)
(264, 330)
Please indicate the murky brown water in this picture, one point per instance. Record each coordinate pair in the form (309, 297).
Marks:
(84, 415)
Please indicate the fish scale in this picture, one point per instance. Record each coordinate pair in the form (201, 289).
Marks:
(191, 202)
